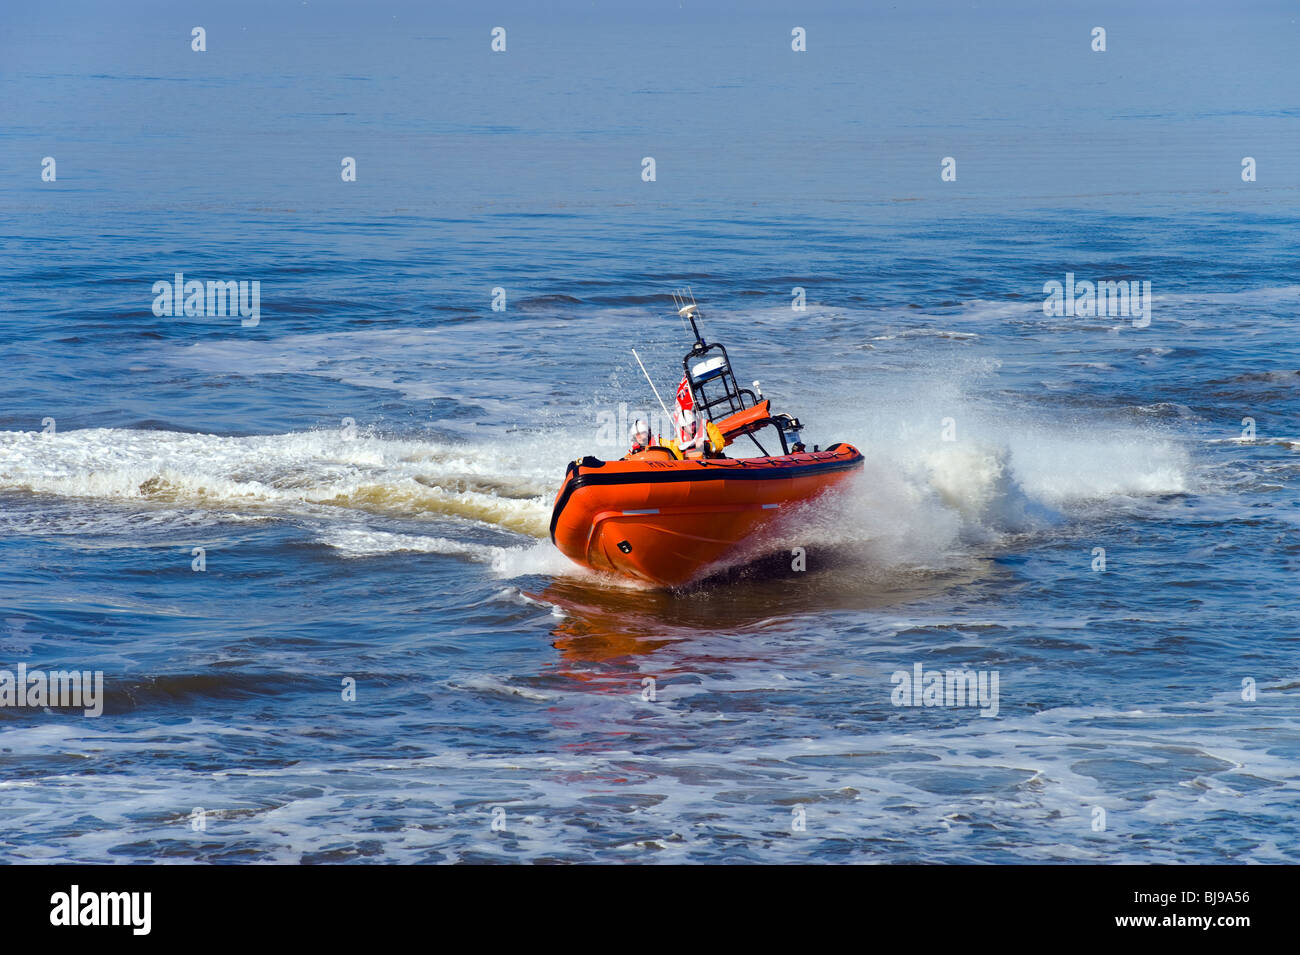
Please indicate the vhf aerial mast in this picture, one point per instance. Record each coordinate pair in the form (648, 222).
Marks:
(684, 299)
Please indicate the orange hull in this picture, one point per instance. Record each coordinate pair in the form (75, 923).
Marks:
(666, 522)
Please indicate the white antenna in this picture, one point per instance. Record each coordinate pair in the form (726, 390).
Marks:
(667, 416)
(687, 309)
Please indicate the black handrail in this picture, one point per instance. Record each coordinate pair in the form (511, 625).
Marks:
(732, 394)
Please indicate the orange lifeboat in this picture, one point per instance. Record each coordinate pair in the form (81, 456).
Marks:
(664, 521)
(666, 518)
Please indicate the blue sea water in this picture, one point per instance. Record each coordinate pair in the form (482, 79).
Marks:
(369, 469)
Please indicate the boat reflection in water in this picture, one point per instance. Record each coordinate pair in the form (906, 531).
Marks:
(615, 626)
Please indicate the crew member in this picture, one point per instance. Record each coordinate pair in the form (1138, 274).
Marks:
(690, 436)
(640, 435)
(697, 437)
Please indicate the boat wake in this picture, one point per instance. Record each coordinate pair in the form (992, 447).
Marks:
(921, 503)
(280, 475)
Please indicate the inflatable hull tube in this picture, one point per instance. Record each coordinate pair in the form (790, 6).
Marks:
(666, 522)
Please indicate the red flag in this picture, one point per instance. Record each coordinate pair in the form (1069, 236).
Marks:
(685, 400)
